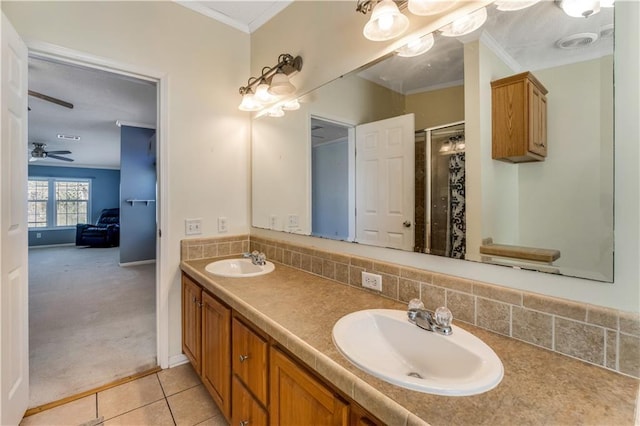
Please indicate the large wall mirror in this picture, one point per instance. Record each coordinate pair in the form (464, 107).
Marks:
(399, 152)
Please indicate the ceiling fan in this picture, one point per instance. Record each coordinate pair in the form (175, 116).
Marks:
(39, 152)
(50, 99)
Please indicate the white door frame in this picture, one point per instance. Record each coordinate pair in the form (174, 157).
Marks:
(58, 53)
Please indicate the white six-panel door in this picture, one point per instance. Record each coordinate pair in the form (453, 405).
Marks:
(14, 333)
(385, 152)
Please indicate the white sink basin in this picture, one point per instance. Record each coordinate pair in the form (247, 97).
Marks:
(385, 344)
(238, 268)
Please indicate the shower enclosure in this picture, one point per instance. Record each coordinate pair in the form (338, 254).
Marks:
(440, 191)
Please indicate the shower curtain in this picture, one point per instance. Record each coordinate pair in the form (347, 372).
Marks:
(457, 225)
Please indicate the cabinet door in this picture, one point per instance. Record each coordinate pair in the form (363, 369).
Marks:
(191, 322)
(361, 417)
(245, 410)
(297, 398)
(249, 359)
(537, 121)
(216, 363)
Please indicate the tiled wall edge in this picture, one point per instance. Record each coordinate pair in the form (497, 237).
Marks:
(605, 337)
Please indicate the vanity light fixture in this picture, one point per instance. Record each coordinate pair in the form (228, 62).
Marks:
(273, 81)
(513, 5)
(582, 8)
(386, 21)
(429, 7)
(416, 46)
(276, 112)
(466, 24)
(291, 105)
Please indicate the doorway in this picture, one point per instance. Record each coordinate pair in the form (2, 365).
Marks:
(92, 307)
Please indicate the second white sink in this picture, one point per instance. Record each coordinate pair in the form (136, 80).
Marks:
(383, 343)
(238, 268)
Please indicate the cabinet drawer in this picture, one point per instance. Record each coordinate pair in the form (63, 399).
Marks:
(249, 355)
(245, 410)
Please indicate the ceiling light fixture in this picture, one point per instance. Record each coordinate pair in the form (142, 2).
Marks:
(273, 81)
(466, 24)
(581, 8)
(416, 46)
(291, 105)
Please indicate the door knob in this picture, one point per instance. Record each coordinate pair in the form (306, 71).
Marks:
(406, 224)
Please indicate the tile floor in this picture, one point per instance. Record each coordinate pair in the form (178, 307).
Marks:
(175, 396)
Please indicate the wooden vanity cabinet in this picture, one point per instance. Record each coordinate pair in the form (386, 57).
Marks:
(519, 119)
(216, 361)
(192, 322)
(252, 381)
(298, 398)
(206, 331)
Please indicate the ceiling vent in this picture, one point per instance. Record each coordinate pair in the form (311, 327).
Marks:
(68, 137)
(577, 41)
(606, 31)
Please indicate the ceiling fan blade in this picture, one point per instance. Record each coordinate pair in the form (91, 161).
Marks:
(57, 157)
(58, 152)
(51, 99)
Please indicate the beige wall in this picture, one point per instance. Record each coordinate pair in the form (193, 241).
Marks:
(330, 41)
(436, 107)
(205, 62)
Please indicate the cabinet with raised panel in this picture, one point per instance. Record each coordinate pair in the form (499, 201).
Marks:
(253, 381)
(206, 336)
(519, 119)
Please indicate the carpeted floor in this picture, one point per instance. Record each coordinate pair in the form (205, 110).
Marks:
(90, 321)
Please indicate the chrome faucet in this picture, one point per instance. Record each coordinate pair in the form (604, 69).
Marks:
(257, 258)
(439, 321)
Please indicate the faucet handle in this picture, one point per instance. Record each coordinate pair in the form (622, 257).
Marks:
(415, 304)
(443, 316)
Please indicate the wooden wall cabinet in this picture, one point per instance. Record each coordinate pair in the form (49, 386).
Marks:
(253, 382)
(519, 119)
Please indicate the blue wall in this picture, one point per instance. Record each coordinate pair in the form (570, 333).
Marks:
(137, 181)
(105, 193)
(330, 190)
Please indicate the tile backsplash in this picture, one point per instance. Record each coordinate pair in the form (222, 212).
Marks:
(604, 337)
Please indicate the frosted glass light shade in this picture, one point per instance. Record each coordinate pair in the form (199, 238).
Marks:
(276, 112)
(280, 85)
(429, 7)
(512, 5)
(579, 8)
(249, 103)
(417, 46)
(262, 93)
(386, 22)
(466, 24)
(291, 105)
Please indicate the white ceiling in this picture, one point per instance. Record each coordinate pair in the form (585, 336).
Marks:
(244, 15)
(99, 99)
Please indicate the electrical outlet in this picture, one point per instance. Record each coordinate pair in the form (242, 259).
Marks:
(292, 221)
(222, 224)
(193, 226)
(273, 221)
(372, 281)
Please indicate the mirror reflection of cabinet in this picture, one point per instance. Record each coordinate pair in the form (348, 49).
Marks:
(519, 119)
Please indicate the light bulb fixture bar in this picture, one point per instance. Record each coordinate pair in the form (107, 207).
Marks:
(366, 6)
(287, 65)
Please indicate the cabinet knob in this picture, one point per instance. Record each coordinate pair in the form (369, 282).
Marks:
(243, 358)
(244, 423)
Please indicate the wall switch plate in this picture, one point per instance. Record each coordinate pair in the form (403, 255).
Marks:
(372, 281)
(292, 221)
(222, 224)
(273, 221)
(193, 226)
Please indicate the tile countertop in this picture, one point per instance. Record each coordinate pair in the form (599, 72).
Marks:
(539, 387)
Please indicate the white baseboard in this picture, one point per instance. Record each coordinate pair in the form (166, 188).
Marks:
(177, 360)
(52, 245)
(137, 263)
